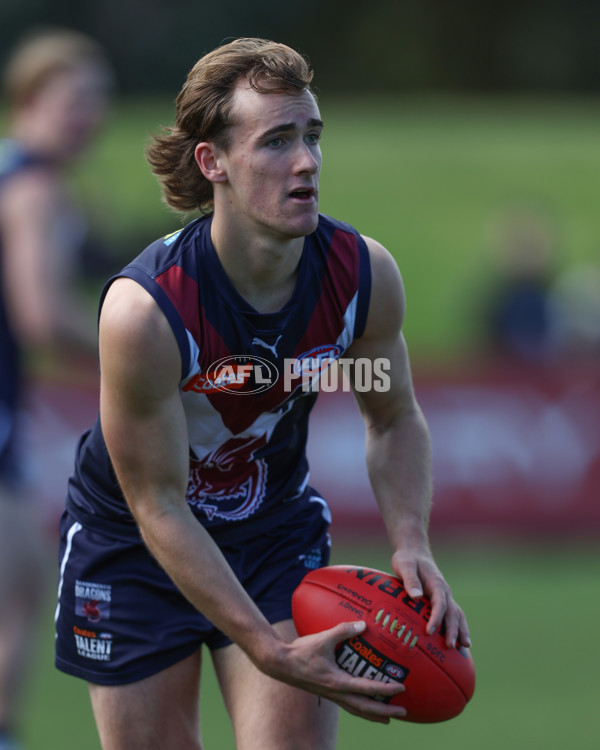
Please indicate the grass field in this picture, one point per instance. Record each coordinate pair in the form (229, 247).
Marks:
(429, 178)
(533, 612)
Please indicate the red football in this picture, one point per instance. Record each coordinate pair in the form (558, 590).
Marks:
(394, 647)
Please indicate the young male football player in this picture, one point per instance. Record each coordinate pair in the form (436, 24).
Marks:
(190, 518)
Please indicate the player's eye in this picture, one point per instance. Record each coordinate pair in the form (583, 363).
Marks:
(313, 138)
(275, 142)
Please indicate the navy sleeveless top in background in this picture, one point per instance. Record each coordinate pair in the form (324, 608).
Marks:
(13, 160)
(247, 441)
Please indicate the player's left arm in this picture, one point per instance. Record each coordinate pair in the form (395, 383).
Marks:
(399, 448)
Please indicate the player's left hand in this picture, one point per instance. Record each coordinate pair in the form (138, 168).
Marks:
(420, 575)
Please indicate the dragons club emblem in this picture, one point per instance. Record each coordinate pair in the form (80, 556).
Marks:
(229, 482)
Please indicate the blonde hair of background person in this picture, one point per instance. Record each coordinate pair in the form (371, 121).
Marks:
(55, 88)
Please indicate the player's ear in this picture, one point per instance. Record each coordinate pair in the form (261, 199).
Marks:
(208, 159)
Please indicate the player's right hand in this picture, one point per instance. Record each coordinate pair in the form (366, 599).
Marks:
(309, 663)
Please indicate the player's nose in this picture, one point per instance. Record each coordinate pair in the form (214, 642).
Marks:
(307, 159)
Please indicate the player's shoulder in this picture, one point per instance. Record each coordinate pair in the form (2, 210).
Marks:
(166, 251)
(386, 279)
(17, 162)
(13, 158)
(133, 327)
(387, 302)
(176, 242)
(383, 263)
(378, 253)
(328, 225)
(27, 183)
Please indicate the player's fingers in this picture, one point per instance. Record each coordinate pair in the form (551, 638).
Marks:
(457, 629)
(342, 631)
(343, 682)
(451, 621)
(368, 715)
(371, 689)
(464, 637)
(408, 572)
(439, 597)
(455, 623)
(368, 709)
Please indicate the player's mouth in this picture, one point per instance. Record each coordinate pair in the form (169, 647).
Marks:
(303, 195)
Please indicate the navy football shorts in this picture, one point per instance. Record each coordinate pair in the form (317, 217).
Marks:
(120, 618)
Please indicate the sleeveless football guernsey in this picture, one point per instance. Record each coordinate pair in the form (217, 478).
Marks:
(246, 402)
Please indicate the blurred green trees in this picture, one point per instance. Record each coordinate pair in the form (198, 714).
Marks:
(547, 45)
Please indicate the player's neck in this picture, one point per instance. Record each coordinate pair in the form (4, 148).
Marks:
(261, 268)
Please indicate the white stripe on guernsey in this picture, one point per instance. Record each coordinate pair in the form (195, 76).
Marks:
(325, 511)
(304, 484)
(72, 531)
(347, 335)
(193, 366)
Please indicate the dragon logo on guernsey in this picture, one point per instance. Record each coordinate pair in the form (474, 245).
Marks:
(229, 482)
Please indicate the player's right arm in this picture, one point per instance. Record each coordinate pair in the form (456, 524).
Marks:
(145, 430)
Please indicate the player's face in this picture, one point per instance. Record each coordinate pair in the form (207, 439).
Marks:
(70, 108)
(273, 162)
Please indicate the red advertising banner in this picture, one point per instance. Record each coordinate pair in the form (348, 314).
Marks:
(514, 450)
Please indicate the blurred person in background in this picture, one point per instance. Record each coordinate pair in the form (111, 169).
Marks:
(519, 313)
(55, 85)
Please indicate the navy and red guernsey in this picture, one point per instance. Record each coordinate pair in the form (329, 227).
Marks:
(243, 381)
